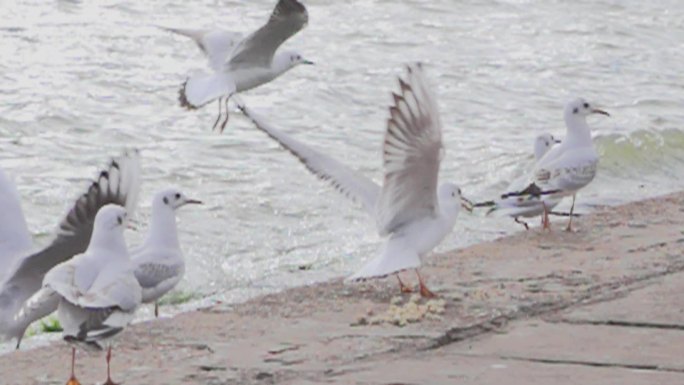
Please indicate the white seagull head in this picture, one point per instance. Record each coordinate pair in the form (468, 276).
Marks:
(451, 198)
(542, 144)
(109, 217)
(173, 199)
(286, 60)
(582, 108)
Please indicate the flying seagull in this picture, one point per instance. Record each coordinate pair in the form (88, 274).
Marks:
(242, 64)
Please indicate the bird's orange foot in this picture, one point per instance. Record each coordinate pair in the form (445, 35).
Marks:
(426, 293)
(402, 287)
(73, 381)
(110, 382)
(405, 289)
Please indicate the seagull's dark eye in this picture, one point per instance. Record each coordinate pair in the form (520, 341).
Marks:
(177, 195)
(576, 110)
(166, 200)
(586, 105)
(120, 220)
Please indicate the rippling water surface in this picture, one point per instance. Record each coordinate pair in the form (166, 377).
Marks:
(82, 80)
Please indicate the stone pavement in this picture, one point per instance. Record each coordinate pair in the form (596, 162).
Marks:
(600, 306)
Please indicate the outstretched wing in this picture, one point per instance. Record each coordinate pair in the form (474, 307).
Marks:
(215, 44)
(342, 178)
(118, 184)
(15, 237)
(288, 17)
(412, 153)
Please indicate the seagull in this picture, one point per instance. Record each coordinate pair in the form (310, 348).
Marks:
(411, 211)
(542, 145)
(25, 268)
(240, 65)
(96, 292)
(568, 167)
(159, 263)
(525, 206)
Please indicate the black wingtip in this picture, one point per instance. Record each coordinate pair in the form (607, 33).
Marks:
(183, 99)
(485, 204)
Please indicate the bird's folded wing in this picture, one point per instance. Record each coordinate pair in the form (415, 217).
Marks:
(288, 17)
(343, 179)
(88, 327)
(151, 274)
(412, 152)
(569, 172)
(117, 289)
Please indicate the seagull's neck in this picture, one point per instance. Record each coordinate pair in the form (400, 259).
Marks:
(280, 64)
(111, 240)
(578, 131)
(162, 230)
(540, 149)
(448, 211)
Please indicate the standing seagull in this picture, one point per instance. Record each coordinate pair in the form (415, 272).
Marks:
(525, 206)
(242, 65)
(571, 165)
(410, 210)
(97, 291)
(119, 183)
(159, 263)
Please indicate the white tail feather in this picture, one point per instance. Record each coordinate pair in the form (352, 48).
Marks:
(201, 89)
(395, 257)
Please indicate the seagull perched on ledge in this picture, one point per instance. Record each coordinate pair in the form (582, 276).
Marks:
(411, 211)
(119, 183)
(159, 263)
(568, 167)
(240, 65)
(96, 292)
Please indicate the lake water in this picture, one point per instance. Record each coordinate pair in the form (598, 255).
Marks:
(82, 80)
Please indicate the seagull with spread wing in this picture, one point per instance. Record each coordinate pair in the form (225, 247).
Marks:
(119, 183)
(96, 292)
(411, 211)
(240, 65)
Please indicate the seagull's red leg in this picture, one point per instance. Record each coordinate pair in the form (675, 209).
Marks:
(545, 218)
(109, 376)
(402, 287)
(72, 379)
(572, 208)
(424, 291)
(223, 126)
(218, 118)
